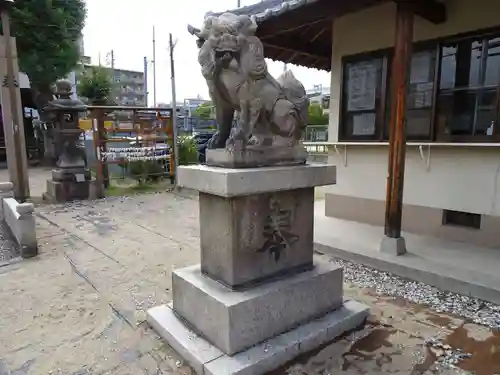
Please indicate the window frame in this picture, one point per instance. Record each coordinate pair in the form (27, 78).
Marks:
(440, 135)
(380, 112)
(417, 47)
(435, 133)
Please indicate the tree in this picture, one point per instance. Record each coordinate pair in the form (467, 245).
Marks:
(46, 33)
(96, 85)
(316, 115)
(204, 111)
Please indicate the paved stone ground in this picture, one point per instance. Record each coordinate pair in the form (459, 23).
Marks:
(79, 308)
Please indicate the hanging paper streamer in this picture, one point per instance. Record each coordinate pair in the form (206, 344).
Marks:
(135, 154)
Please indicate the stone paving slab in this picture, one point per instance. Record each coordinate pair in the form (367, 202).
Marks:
(79, 307)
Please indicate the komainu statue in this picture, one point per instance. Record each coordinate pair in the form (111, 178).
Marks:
(271, 113)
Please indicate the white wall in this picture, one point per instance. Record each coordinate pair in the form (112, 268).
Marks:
(459, 178)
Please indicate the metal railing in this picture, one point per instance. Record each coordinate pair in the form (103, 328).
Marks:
(316, 133)
(316, 147)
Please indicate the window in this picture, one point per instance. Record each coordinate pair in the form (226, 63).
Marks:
(362, 98)
(469, 79)
(462, 219)
(420, 95)
(453, 92)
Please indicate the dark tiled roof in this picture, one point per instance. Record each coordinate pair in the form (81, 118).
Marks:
(266, 8)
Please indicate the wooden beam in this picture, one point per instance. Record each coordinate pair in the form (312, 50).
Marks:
(320, 32)
(397, 125)
(309, 14)
(430, 10)
(295, 45)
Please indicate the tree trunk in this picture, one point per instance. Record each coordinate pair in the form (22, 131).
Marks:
(42, 95)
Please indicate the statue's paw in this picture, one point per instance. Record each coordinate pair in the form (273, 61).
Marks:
(213, 142)
(237, 140)
(236, 135)
(254, 141)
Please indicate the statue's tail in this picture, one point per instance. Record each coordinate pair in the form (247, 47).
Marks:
(296, 94)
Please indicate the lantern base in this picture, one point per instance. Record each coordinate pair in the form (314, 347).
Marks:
(71, 174)
(66, 191)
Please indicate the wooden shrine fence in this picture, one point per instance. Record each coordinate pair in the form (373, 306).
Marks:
(139, 140)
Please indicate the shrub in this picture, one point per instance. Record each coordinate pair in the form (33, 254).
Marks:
(186, 146)
(146, 171)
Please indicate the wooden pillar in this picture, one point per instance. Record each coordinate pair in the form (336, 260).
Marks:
(12, 111)
(397, 126)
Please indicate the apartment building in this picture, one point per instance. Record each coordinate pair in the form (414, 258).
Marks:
(129, 86)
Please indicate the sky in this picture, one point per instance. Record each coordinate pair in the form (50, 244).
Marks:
(126, 27)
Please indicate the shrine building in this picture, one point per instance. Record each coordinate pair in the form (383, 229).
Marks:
(452, 172)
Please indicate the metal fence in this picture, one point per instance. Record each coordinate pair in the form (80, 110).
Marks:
(316, 133)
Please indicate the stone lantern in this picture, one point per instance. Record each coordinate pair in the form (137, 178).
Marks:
(71, 178)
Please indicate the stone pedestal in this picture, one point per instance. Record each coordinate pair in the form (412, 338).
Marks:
(257, 299)
(261, 156)
(393, 246)
(71, 184)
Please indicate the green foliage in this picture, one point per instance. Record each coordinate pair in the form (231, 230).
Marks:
(203, 111)
(188, 153)
(95, 84)
(146, 171)
(47, 32)
(316, 115)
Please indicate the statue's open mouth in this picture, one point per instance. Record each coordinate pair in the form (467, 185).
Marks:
(223, 51)
(225, 54)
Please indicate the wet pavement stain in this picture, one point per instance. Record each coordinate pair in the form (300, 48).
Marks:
(395, 300)
(305, 357)
(373, 341)
(485, 354)
(365, 347)
(403, 303)
(422, 368)
(439, 320)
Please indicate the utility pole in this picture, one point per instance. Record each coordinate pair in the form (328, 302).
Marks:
(154, 68)
(174, 104)
(13, 126)
(110, 59)
(239, 3)
(146, 80)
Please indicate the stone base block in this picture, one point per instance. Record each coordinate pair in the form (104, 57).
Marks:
(256, 224)
(394, 246)
(235, 321)
(206, 359)
(226, 182)
(259, 156)
(264, 236)
(71, 175)
(65, 191)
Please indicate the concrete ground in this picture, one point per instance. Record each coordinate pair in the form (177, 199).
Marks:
(79, 308)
